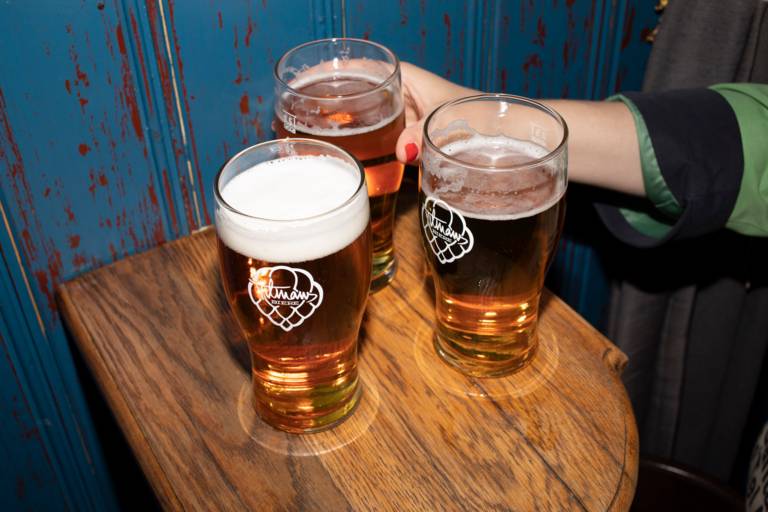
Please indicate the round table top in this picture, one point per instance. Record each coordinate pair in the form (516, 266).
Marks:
(160, 339)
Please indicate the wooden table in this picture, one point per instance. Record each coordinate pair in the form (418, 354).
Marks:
(159, 337)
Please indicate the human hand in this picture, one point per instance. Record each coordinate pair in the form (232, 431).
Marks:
(423, 92)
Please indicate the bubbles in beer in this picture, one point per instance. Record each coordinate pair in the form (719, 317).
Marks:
(295, 190)
(510, 197)
(365, 109)
(495, 192)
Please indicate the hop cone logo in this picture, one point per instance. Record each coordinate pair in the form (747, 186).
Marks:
(285, 295)
(446, 230)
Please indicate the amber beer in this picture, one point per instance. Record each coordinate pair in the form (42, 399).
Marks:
(354, 102)
(491, 216)
(295, 254)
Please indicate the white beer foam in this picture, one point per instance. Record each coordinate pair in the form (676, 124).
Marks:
(285, 203)
(311, 78)
(478, 142)
(476, 187)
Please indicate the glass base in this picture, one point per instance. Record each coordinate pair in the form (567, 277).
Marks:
(384, 269)
(479, 364)
(301, 422)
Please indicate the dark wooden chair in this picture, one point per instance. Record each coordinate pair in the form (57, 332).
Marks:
(663, 486)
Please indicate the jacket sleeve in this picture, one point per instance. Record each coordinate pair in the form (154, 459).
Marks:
(704, 156)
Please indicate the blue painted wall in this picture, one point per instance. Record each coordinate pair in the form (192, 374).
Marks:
(115, 115)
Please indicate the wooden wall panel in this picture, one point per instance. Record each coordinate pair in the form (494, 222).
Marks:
(224, 54)
(444, 37)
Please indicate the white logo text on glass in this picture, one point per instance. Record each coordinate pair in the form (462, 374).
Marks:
(446, 230)
(285, 295)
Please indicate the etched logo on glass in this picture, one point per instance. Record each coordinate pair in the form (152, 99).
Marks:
(446, 230)
(285, 295)
(289, 122)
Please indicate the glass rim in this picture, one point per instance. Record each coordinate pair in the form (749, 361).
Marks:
(290, 140)
(503, 97)
(383, 84)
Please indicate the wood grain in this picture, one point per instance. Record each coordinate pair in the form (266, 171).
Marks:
(161, 341)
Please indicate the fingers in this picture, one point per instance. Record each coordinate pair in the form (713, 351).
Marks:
(408, 148)
(423, 92)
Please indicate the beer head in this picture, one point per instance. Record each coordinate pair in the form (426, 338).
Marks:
(495, 156)
(513, 117)
(290, 201)
(496, 183)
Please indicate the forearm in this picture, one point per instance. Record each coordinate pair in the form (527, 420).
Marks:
(602, 145)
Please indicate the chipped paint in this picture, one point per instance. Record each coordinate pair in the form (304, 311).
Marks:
(164, 67)
(541, 33)
(248, 33)
(169, 202)
(192, 142)
(24, 203)
(142, 64)
(628, 21)
(28, 432)
(447, 24)
(128, 90)
(532, 61)
(239, 78)
(81, 76)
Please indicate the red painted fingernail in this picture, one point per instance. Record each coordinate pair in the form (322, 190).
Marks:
(411, 152)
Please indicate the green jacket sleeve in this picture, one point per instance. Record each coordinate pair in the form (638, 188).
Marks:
(704, 157)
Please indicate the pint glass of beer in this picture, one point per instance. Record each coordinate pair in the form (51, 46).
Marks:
(492, 205)
(347, 92)
(294, 242)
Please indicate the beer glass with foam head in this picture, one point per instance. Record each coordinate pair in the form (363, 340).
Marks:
(492, 205)
(294, 242)
(347, 92)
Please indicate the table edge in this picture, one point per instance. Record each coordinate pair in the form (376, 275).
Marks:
(627, 485)
(136, 438)
(612, 357)
(615, 361)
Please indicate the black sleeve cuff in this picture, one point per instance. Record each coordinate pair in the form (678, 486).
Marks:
(697, 142)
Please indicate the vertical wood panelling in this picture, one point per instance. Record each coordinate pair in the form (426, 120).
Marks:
(78, 189)
(41, 385)
(440, 36)
(34, 482)
(222, 57)
(164, 111)
(633, 48)
(544, 47)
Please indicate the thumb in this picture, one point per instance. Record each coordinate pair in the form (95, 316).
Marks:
(408, 148)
